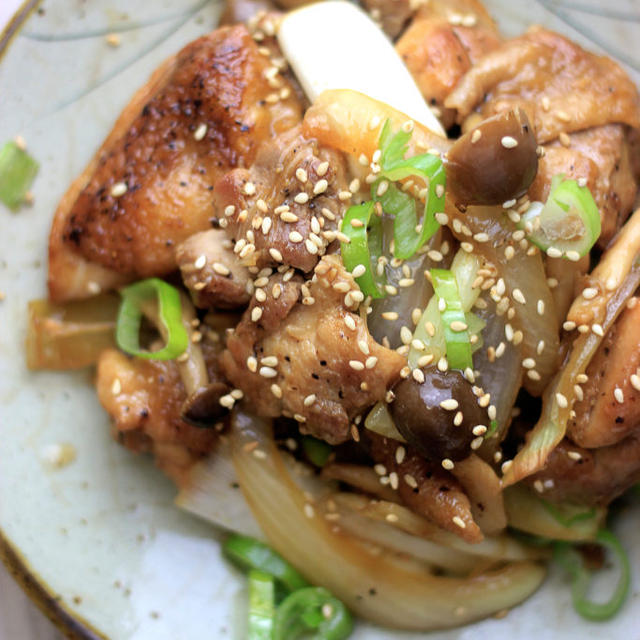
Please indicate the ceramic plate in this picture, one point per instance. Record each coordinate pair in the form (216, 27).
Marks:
(100, 540)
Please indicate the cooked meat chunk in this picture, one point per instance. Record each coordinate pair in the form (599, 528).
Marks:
(149, 187)
(143, 399)
(391, 15)
(277, 210)
(212, 272)
(601, 156)
(562, 87)
(427, 488)
(589, 476)
(602, 418)
(441, 44)
(312, 360)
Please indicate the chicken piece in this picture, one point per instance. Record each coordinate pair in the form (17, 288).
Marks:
(276, 211)
(602, 418)
(143, 399)
(149, 186)
(601, 156)
(427, 488)
(562, 87)
(441, 44)
(392, 15)
(313, 360)
(211, 271)
(590, 477)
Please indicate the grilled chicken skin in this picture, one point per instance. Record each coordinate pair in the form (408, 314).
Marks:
(149, 187)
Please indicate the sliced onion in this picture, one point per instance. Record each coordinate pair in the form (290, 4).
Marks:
(408, 595)
(482, 486)
(527, 512)
(380, 421)
(526, 273)
(552, 425)
(70, 335)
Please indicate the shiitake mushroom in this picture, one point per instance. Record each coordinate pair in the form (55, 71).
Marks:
(202, 408)
(494, 162)
(426, 425)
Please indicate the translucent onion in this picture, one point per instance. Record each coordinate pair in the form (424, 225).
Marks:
(526, 273)
(71, 335)
(408, 596)
(527, 512)
(552, 425)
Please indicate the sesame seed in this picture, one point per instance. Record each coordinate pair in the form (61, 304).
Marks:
(406, 282)
(442, 218)
(276, 390)
(322, 168)
(564, 138)
(249, 188)
(200, 262)
(295, 237)
(418, 375)
(301, 174)
(92, 286)
(256, 314)
(447, 464)
(227, 401)
(268, 372)
(597, 329)
(457, 325)
(320, 186)
(529, 363)
(589, 293)
(574, 256)
(562, 401)
(459, 522)
(116, 387)
(443, 364)
(252, 364)
(410, 480)
(479, 430)
(574, 455)
(534, 375)
(635, 381)
(492, 412)
(618, 395)
(356, 365)
(302, 198)
(476, 135)
(506, 465)
(546, 103)
(229, 210)
(577, 390)
(518, 296)
(467, 247)
(311, 247)
(118, 189)
(552, 252)
(200, 132)
(450, 404)
(569, 325)
(508, 142)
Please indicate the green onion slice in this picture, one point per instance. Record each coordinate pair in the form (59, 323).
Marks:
(317, 451)
(364, 230)
(567, 514)
(409, 233)
(457, 341)
(17, 171)
(570, 559)
(261, 605)
(568, 221)
(313, 609)
(250, 553)
(134, 300)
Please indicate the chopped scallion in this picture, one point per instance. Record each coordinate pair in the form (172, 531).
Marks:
(317, 451)
(569, 558)
(169, 312)
(568, 222)
(261, 605)
(17, 171)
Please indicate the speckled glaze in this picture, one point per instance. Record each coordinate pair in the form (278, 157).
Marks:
(98, 543)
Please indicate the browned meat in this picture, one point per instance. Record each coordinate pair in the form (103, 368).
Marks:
(562, 87)
(143, 399)
(391, 15)
(602, 419)
(212, 272)
(302, 360)
(160, 151)
(277, 210)
(442, 43)
(601, 156)
(589, 476)
(427, 488)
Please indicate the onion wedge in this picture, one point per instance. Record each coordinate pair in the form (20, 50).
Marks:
(408, 595)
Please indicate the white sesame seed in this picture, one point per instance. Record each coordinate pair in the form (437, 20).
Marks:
(405, 335)
(295, 237)
(450, 404)
(443, 364)
(589, 293)
(418, 375)
(506, 465)
(268, 372)
(459, 522)
(508, 142)
(597, 329)
(618, 395)
(276, 390)
(309, 400)
(256, 314)
(529, 363)
(442, 218)
(200, 132)
(118, 189)
(116, 387)
(562, 401)
(574, 256)
(479, 430)
(577, 390)
(320, 186)
(552, 252)
(227, 401)
(252, 364)
(249, 188)
(447, 464)
(322, 168)
(229, 210)
(301, 174)
(634, 379)
(569, 325)
(476, 135)
(356, 365)
(534, 375)
(302, 198)
(200, 262)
